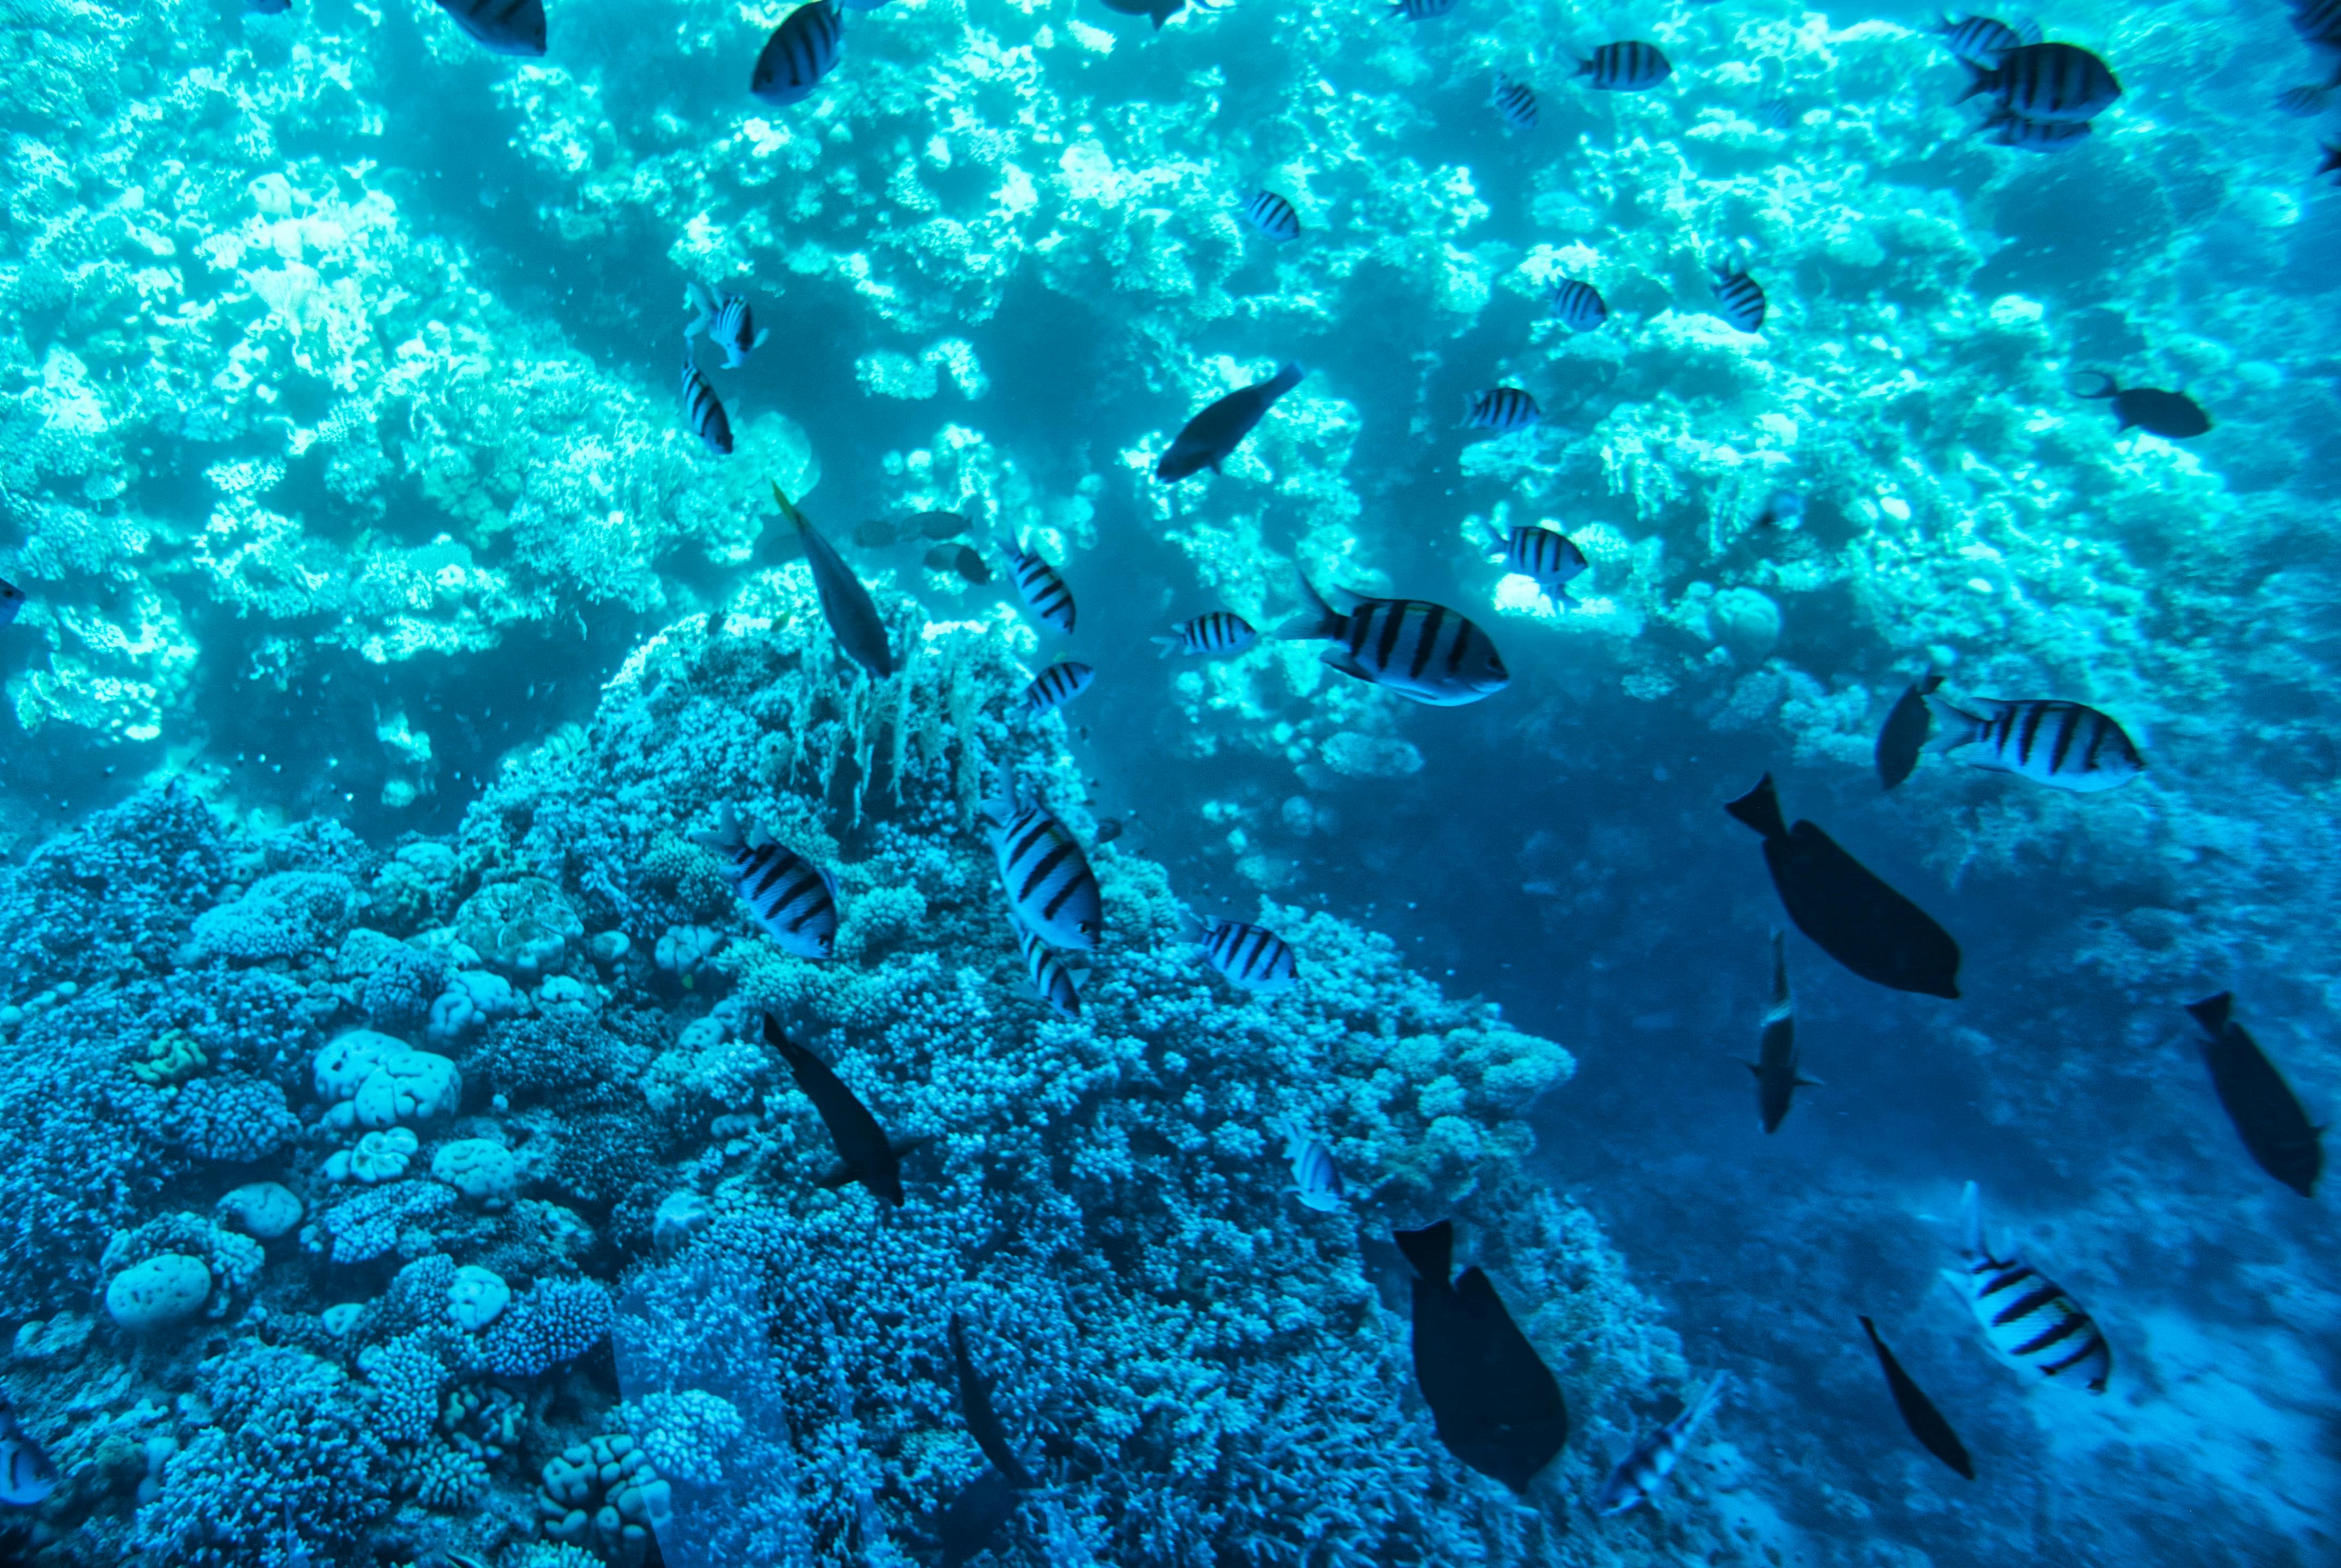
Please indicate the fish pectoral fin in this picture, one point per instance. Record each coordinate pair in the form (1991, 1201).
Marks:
(1347, 663)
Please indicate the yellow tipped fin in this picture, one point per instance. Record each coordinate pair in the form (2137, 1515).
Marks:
(789, 508)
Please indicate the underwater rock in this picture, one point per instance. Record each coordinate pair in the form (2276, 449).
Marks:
(165, 1289)
(477, 1298)
(265, 1210)
(482, 1169)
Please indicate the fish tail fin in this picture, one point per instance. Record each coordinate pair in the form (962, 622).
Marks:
(1760, 808)
(1321, 622)
(2212, 1012)
(1959, 726)
(1977, 80)
(1168, 645)
(1430, 1250)
(696, 298)
(1287, 377)
(791, 1052)
(1971, 1221)
(725, 835)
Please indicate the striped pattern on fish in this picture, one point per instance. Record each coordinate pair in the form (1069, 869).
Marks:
(1420, 10)
(1978, 40)
(1044, 592)
(26, 1475)
(1271, 216)
(1551, 560)
(1423, 651)
(1516, 102)
(806, 48)
(1738, 298)
(2064, 746)
(1316, 1179)
(1051, 887)
(1053, 980)
(1502, 408)
(1640, 1475)
(1252, 957)
(2027, 1318)
(2047, 82)
(793, 899)
(1055, 686)
(703, 412)
(729, 323)
(1629, 67)
(1216, 632)
(1579, 306)
(2008, 130)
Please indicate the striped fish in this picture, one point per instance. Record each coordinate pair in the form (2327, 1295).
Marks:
(27, 1477)
(2045, 82)
(1055, 686)
(1516, 102)
(728, 322)
(1420, 10)
(1217, 632)
(1777, 1077)
(1775, 113)
(793, 899)
(1502, 408)
(1316, 1179)
(1640, 1473)
(805, 48)
(1252, 957)
(703, 412)
(1549, 558)
(1738, 298)
(1978, 40)
(1044, 592)
(1053, 980)
(1420, 650)
(2064, 746)
(1579, 306)
(2032, 136)
(1626, 67)
(2303, 102)
(1051, 887)
(1271, 215)
(501, 26)
(2027, 1318)
(2315, 22)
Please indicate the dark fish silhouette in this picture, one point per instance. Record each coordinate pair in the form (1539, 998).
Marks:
(2046, 82)
(852, 615)
(982, 1421)
(1211, 436)
(12, 599)
(1843, 906)
(959, 558)
(873, 534)
(1900, 742)
(976, 1515)
(860, 1141)
(2261, 1104)
(501, 26)
(1497, 1405)
(1160, 10)
(1776, 1078)
(2171, 414)
(1918, 1412)
(805, 48)
(1109, 829)
(938, 524)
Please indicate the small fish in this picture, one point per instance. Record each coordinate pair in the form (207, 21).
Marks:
(1777, 1077)
(860, 1143)
(2006, 130)
(1579, 306)
(805, 48)
(937, 525)
(1271, 216)
(1775, 113)
(2173, 415)
(851, 613)
(1516, 102)
(1216, 632)
(959, 558)
(1904, 734)
(793, 899)
(1051, 887)
(27, 1477)
(1918, 1412)
(1420, 10)
(702, 411)
(2045, 82)
(1640, 1473)
(1738, 298)
(2267, 1115)
(2064, 746)
(1421, 651)
(1045, 594)
(873, 534)
(983, 1423)
(1626, 67)
(12, 600)
(1316, 1179)
(1850, 915)
(1109, 829)
(2303, 103)
(1552, 560)
(1979, 41)
(1054, 980)
(1251, 957)
(977, 1512)
(1209, 439)
(1782, 509)
(729, 323)
(1055, 686)
(1160, 10)
(1497, 1405)
(501, 26)
(1502, 408)
(2027, 1318)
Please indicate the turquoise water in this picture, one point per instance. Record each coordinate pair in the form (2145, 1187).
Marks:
(396, 1170)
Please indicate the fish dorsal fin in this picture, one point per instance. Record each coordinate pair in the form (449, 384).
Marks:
(1760, 808)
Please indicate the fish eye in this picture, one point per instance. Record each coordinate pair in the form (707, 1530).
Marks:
(1086, 928)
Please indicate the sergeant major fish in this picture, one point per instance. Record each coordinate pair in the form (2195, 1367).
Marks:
(729, 323)
(702, 411)
(1549, 560)
(793, 899)
(1211, 438)
(1252, 957)
(1516, 102)
(1423, 651)
(1316, 1179)
(1777, 1077)
(1215, 632)
(2064, 746)
(1053, 980)
(1271, 216)
(1044, 592)
(1629, 67)
(1051, 887)
(1055, 686)
(2044, 82)
(1738, 298)
(2027, 1318)
(1578, 306)
(26, 1475)
(1503, 409)
(806, 48)
(1980, 41)
(1640, 1473)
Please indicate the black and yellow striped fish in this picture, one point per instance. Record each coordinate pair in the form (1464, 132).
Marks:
(2027, 1318)
(1051, 887)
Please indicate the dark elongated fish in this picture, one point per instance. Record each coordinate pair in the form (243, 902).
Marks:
(860, 1143)
(1905, 731)
(1044, 592)
(1054, 980)
(1579, 306)
(2006, 130)
(806, 48)
(1051, 887)
(1502, 408)
(1980, 41)
(1777, 1077)
(27, 1477)
(1551, 560)
(1628, 67)
(2266, 1114)
(1851, 915)
(1209, 439)
(1918, 1412)
(1498, 1407)
(1252, 957)
(1640, 1473)
(730, 324)
(702, 411)
(983, 1423)
(852, 615)
(1738, 298)
(2064, 746)
(1420, 650)
(793, 899)
(1271, 216)
(1216, 632)
(1055, 686)
(1516, 102)
(2045, 82)
(501, 26)
(267, 7)
(2027, 1318)
(2171, 414)
(979, 1511)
